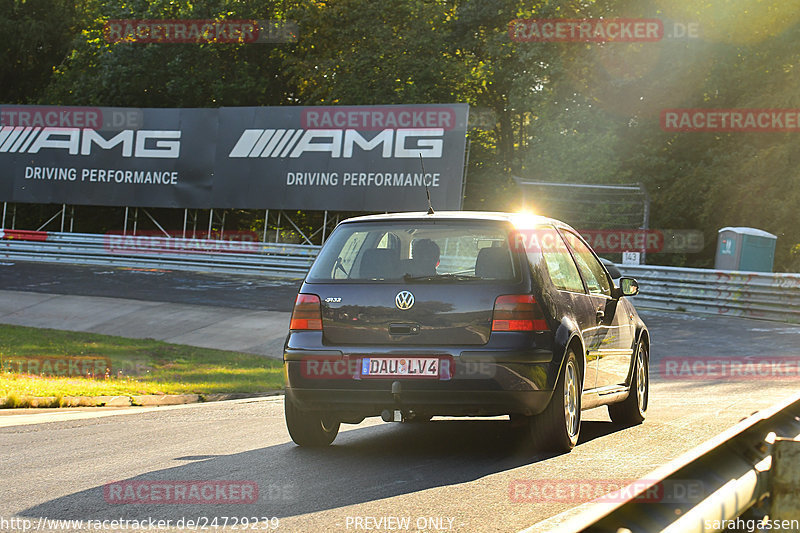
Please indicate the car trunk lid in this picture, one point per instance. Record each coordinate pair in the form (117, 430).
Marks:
(423, 313)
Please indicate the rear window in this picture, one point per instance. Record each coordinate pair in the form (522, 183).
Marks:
(424, 251)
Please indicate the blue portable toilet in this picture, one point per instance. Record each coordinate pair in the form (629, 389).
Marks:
(748, 249)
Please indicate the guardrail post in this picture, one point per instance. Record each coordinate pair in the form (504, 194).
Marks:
(194, 224)
(784, 480)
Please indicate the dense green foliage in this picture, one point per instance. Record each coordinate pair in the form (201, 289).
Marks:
(568, 112)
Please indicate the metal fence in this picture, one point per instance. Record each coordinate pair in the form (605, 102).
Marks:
(742, 294)
(203, 255)
(742, 474)
(720, 292)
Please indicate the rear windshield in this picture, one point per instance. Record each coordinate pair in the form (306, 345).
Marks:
(423, 251)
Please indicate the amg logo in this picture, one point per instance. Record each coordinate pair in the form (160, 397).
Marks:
(163, 144)
(338, 143)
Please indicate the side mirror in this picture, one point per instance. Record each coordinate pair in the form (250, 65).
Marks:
(628, 287)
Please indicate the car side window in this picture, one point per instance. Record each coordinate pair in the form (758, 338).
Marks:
(344, 264)
(592, 271)
(558, 261)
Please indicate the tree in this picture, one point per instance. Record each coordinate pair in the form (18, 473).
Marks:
(37, 36)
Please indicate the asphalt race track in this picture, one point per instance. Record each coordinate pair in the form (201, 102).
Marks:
(220, 290)
(448, 475)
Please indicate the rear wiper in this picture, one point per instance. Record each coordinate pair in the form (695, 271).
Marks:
(340, 266)
(441, 277)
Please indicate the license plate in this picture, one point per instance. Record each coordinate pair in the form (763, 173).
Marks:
(400, 367)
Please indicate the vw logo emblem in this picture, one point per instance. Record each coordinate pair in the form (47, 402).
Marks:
(404, 300)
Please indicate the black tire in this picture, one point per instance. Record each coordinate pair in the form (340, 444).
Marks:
(633, 410)
(312, 429)
(558, 427)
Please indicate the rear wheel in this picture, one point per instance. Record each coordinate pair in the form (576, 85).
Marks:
(311, 429)
(633, 409)
(557, 428)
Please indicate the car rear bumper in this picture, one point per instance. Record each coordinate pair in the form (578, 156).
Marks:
(480, 383)
(365, 403)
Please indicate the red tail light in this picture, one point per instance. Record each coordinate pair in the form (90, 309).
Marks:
(307, 313)
(518, 312)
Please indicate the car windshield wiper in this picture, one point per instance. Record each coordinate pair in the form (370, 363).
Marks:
(441, 277)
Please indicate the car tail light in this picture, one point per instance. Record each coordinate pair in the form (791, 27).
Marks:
(307, 313)
(518, 312)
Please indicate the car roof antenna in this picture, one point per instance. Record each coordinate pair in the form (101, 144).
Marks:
(427, 192)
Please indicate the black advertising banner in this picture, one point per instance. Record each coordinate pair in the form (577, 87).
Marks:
(108, 156)
(361, 158)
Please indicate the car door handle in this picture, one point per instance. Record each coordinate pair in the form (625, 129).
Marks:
(600, 315)
(403, 329)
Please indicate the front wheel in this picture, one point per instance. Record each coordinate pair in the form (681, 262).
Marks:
(311, 429)
(557, 428)
(633, 409)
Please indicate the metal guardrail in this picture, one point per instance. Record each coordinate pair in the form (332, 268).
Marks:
(210, 255)
(721, 292)
(735, 470)
(743, 294)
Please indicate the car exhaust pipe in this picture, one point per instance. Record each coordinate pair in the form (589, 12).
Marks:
(392, 415)
(397, 387)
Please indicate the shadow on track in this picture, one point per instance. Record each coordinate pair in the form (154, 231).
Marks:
(363, 465)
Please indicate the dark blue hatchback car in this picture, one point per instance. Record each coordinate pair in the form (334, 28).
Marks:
(413, 315)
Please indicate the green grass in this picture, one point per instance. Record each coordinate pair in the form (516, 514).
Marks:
(147, 366)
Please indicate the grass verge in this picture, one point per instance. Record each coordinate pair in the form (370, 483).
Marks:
(47, 362)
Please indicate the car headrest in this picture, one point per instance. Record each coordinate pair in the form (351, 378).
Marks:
(380, 263)
(493, 263)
